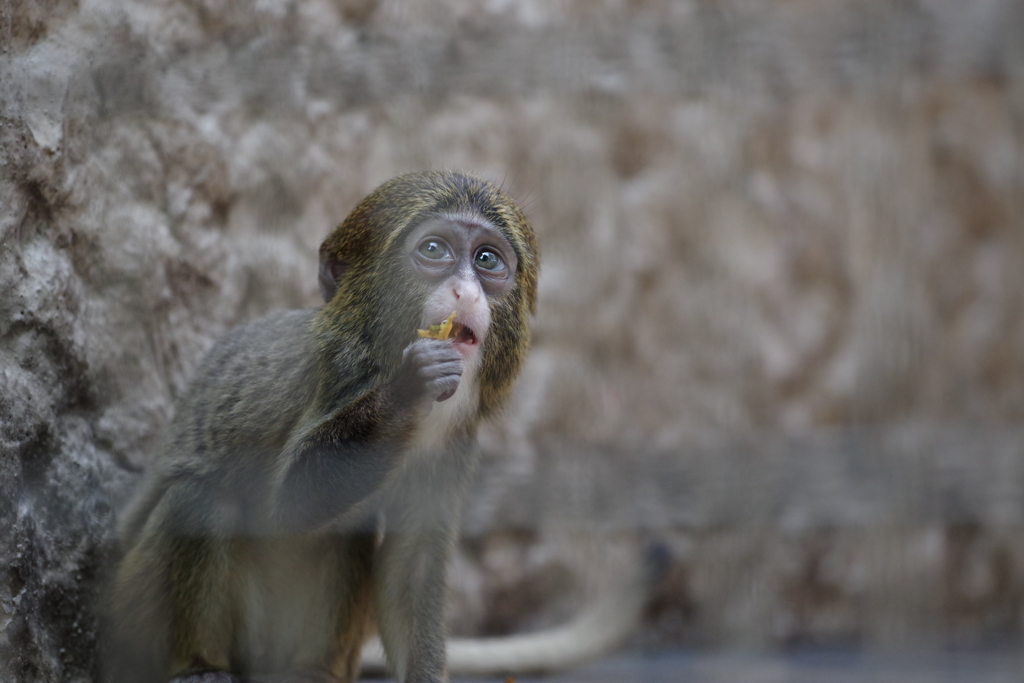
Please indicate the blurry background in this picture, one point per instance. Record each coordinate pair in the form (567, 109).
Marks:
(781, 322)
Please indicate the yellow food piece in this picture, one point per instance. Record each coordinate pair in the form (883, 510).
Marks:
(441, 330)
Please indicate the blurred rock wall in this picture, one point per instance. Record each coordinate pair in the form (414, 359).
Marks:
(764, 226)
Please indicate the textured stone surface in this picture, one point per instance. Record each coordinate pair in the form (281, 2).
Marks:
(757, 219)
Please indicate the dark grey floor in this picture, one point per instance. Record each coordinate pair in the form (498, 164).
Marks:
(944, 667)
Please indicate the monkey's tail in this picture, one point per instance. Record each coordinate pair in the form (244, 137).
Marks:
(595, 631)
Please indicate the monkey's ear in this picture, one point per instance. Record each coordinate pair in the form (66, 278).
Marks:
(331, 272)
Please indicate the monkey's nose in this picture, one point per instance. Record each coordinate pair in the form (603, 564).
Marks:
(466, 288)
(459, 292)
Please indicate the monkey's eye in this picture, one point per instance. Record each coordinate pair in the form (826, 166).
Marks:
(488, 260)
(433, 249)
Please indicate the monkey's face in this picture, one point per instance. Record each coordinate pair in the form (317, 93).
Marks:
(419, 247)
(466, 263)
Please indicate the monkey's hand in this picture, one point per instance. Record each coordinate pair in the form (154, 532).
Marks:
(433, 367)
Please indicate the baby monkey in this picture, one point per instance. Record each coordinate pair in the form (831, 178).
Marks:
(310, 483)
(309, 486)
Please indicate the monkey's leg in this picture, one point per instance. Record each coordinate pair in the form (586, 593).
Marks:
(225, 677)
(410, 578)
(209, 677)
(136, 642)
(170, 594)
(353, 570)
(410, 594)
(200, 633)
(187, 530)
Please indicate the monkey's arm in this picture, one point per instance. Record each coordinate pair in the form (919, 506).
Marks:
(342, 459)
(334, 466)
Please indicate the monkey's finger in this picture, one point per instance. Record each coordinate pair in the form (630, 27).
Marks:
(434, 351)
(425, 345)
(433, 371)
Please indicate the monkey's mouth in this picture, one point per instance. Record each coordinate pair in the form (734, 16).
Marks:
(462, 334)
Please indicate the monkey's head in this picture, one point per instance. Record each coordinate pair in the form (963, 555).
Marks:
(419, 247)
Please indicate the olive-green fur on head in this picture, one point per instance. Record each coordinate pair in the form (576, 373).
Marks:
(374, 313)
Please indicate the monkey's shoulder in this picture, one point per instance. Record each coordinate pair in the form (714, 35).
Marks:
(248, 392)
(274, 342)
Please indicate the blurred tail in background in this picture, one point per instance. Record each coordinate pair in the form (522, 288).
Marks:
(594, 632)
